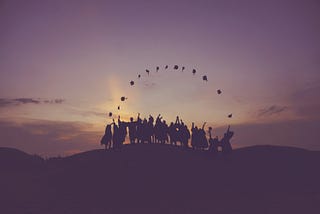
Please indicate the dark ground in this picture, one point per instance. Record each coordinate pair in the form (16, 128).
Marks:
(162, 179)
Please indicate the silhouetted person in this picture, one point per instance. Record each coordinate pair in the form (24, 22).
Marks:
(177, 131)
(161, 131)
(213, 142)
(185, 135)
(181, 133)
(158, 130)
(172, 134)
(145, 132)
(139, 133)
(225, 141)
(150, 130)
(122, 131)
(202, 139)
(116, 136)
(132, 126)
(194, 136)
(107, 137)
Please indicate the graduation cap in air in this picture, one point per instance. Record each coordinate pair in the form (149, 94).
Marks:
(194, 71)
(219, 91)
(183, 68)
(139, 76)
(147, 71)
(110, 114)
(166, 67)
(204, 78)
(157, 68)
(230, 115)
(118, 107)
(123, 98)
(131, 82)
(175, 67)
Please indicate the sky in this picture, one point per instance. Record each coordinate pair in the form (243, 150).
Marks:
(65, 64)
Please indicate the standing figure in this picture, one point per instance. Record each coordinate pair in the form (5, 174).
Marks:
(203, 142)
(194, 136)
(172, 134)
(116, 138)
(132, 125)
(225, 141)
(185, 135)
(122, 131)
(150, 130)
(164, 132)
(139, 133)
(213, 142)
(107, 138)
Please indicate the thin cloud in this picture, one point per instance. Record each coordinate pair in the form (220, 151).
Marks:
(26, 100)
(55, 101)
(59, 101)
(5, 102)
(271, 110)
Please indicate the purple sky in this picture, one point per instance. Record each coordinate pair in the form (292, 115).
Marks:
(65, 64)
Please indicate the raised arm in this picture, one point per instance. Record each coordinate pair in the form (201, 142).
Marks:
(112, 122)
(177, 120)
(204, 124)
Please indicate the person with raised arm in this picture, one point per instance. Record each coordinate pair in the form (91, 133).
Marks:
(225, 141)
(116, 135)
(123, 131)
(139, 129)
(132, 126)
(150, 130)
(158, 129)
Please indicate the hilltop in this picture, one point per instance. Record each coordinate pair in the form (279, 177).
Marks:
(162, 179)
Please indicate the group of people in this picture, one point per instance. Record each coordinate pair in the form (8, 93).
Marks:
(158, 131)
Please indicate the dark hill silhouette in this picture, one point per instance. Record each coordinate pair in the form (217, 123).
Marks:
(14, 159)
(155, 178)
